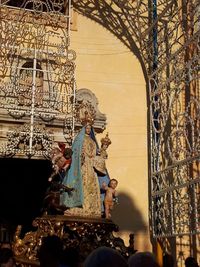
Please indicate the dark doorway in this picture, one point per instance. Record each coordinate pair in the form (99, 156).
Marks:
(23, 183)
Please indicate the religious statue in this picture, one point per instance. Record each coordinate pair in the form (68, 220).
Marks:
(99, 162)
(61, 159)
(87, 172)
(101, 170)
(85, 199)
(110, 196)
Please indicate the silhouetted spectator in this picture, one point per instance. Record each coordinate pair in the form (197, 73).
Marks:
(105, 257)
(168, 260)
(6, 258)
(71, 257)
(191, 262)
(50, 252)
(142, 259)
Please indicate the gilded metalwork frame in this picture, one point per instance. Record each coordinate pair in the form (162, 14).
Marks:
(165, 35)
(37, 82)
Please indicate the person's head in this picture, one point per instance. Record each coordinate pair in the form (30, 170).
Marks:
(113, 183)
(191, 262)
(142, 259)
(71, 257)
(50, 251)
(105, 257)
(6, 258)
(88, 128)
(68, 153)
(104, 146)
(105, 142)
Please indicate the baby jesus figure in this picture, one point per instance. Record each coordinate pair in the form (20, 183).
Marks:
(110, 196)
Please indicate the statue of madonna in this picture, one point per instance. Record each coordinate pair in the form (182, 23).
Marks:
(84, 200)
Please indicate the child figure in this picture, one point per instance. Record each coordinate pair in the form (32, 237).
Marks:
(110, 196)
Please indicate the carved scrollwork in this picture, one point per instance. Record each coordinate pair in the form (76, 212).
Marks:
(82, 233)
(87, 109)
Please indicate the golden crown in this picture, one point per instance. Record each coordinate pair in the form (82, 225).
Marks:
(106, 140)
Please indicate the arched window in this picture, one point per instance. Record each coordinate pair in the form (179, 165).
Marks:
(26, 88)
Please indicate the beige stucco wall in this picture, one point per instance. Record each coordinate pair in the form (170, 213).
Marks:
(114, 74)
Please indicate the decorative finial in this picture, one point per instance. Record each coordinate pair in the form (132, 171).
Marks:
(86, 113)
(88, 119)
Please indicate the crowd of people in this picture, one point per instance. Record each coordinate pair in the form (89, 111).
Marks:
(52, 253)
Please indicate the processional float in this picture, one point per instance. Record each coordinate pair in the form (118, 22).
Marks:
(40, 107)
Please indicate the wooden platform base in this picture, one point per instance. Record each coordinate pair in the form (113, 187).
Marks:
(82, 233)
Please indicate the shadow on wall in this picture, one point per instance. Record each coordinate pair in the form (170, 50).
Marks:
(130, 221)
(127, 216)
